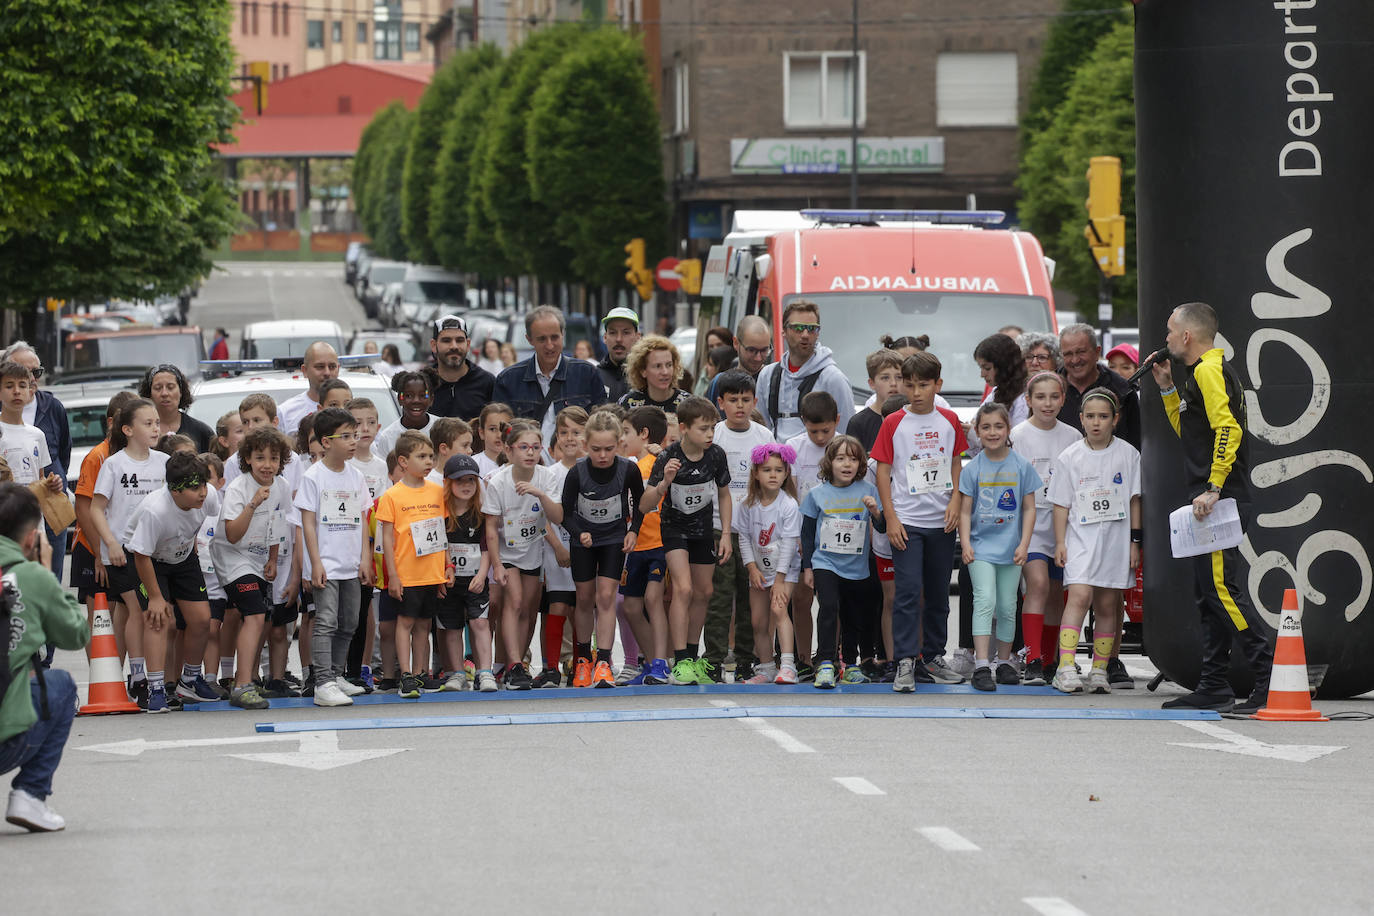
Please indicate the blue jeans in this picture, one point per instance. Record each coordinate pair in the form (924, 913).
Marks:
(920, 607)
(38, 751)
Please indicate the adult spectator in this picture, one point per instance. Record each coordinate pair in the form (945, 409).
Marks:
(46, 412)
(1080, 351)
(1003, 369)
(390, 363)
(1207, 411)
(37, 709)
(219, 347)
(717, 337)
(805, 367)
(1040, 352)
(460, 387)
(321, 363)
(620, 332)
(754, 346)
(654, 368)
(167, 388)
(491, 356)
(539, 387)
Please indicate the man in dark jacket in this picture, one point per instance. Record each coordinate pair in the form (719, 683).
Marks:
(1080, 351)
(47, 414)
(539, 387)
(620, 332)
(460, 387)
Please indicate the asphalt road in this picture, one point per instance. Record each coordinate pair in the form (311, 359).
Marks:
(242, 292)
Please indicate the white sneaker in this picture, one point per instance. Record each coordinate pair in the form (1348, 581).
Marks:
(626, 674)
(962, 662)
(1066, 680)
(456, 681)
(1097, 681)
(348, 689)
(486, 682)
(329, 694)
(32, 814)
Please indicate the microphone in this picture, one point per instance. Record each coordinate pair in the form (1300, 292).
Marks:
(1148, 363)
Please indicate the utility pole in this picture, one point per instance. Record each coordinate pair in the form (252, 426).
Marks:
(854, 112)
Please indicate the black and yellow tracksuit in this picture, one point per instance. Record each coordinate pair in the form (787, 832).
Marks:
(1207, 411)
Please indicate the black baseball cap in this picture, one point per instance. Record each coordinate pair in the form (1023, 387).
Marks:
(459, 466)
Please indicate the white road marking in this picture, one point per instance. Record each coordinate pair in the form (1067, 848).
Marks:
(947, 839)
(136, 746)
(773, 733)
(1052, 906)
(1235, 743)
(859, 786)
(317, 750)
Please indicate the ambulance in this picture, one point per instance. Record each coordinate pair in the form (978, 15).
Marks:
(944, 274)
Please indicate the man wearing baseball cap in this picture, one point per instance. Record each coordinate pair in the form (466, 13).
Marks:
(620, 331)
(460, 386)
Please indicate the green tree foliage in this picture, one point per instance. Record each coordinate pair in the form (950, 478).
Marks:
(451, 202)
(596, 99)
(1070, 40)
(1096, 118)
(370, 190)
(434, 111)
(390, 166)
(108, 114)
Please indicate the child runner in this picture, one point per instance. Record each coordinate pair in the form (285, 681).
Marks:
(768, 524)
(918, 479)
(492, 422)
(411, 518)
(214, 661)
(693, 473)
(466, 600)
(561, 592)
(1095, 489)
(885, 378)
(996, 520)
(228, 434)
(821, 416)
(334, 392)
(642, 582)
(882, 567)
(413, 394)
(1041, 440)
(603, 494)
(21, 444)
(377, 479)
(519, 504)
(835, 544)
(451, 436)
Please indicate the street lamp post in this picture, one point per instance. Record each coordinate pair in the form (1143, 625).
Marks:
(854, 112)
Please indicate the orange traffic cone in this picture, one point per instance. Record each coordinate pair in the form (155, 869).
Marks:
(106, 693)
(1289, 694)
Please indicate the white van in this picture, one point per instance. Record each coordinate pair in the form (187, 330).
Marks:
(425, 293)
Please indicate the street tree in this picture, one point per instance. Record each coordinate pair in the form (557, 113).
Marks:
(388, 169)
(455, 197)
(369, 165)
(1070, 39)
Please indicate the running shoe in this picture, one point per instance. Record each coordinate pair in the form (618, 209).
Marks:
(549, 677)
(825, 676)
(853, 674)
(329, 693)
(961, 663)
(889, 672)
(431, 684)
(1098, 681)
(365, 675)
(247, 697)
(1252, 704)
(198, 691)
(805, 673)
(983, 679)
(787, 675)
(764, 674)
(278, 689)
(1118, 676)
(388, 684)
(469, 670)
(708, 672)
(1066, 680)
(743, 673)
(582, 673)
(292, 680)
(410, 687)
(1006, 674)
(347, 688)
(684, 673)
(138, 692)
(872, 668)
(457, 681)
(1035, 673)
(228, 684)
(638, 679)
(219, 690)
(157, 701)
(905, 680)
(601, 675)
(517, 678)
(308, 687)
(486, 682)
(627, 674)
(174, 702)
(940, 670)
(657, 674)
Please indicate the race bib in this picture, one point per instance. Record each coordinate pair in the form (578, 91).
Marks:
(428, 535)
(599, 511)
(842, 535)
(465, 558)
(928, 475)
(374, 485)
(523, 529)
(690, 498)
(1099, 504)
(181, 552)
(1045, 468)
(341, 507)
(767, 559)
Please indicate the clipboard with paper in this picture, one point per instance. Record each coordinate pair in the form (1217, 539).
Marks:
(1190, 536)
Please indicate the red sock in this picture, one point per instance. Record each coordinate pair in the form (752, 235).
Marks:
(553, 638)
(1049, 643)
(1032, 627)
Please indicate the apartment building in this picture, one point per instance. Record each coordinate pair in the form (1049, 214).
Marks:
(309, 34)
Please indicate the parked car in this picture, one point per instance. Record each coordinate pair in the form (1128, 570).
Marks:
(508, 327)
(371, 284)
(425, 293)
(360, 270)
(273, 339)
(217, 396)
(408, 343)
(505, 301)
(113, 354)
(351, 255)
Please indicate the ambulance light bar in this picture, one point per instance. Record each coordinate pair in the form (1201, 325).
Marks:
(874, 217)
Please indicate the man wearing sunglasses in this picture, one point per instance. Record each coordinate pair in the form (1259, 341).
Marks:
(805, 367)
(461, 387)
(46, 413)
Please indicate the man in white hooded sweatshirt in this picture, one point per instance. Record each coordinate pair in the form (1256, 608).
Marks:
(804, 368)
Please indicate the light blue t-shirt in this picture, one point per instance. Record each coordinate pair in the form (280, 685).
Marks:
(845, 556)
(999, 490)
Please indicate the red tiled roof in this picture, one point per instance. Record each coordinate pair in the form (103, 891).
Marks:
(314, 136)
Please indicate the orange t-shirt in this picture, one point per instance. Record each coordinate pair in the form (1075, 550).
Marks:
(650, 537)
(417, 514)
(85, 484)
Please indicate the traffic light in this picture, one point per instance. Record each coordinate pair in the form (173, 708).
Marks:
(638, 274)
(690, 272)
(262, 70)
(1106, 229)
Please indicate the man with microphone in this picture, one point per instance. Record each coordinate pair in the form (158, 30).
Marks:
(1207, 411)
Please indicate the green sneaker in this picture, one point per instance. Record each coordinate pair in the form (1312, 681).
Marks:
(825, 676)
(709, 673)
(853, 674)
(684, 673)
(247, 698)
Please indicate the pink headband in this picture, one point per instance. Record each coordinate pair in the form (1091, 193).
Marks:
(761, 453)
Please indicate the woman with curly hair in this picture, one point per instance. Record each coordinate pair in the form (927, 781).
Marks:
(1003, 368)
(167, 388)
(654, 370)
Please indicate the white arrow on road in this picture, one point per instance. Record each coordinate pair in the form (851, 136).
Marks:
(1236, 743)
(318, 750)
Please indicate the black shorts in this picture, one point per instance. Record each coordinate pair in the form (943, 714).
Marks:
(419, 601)
(387, 607)
(641, 568)
(177, 582)
(461, 605)
(535, 573)
(217, 606)
(83, 575)
(283, 614)
(700, 551)
(249, 594)
(307, 603)
(568, 598)
(606, 562)
(120, 580)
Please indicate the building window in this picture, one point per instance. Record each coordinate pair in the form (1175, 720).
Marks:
(386, 41)
(274, 73)
(976, 89)
(314, 33)
(412, 36)
(243, 18)
(818, 88)
(336, 32)
(255, 17)
(286, 19)
(360, 34)
(285, 70)
(681, 98)
(274, 19)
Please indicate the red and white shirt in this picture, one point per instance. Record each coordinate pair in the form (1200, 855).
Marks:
(922, 449)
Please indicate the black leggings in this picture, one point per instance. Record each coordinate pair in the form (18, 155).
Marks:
(355, 645)
(840, 604)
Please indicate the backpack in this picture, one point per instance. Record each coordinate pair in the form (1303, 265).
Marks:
(775, 387)
(8, 599)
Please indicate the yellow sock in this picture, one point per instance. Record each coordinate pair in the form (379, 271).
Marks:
(1068, 645)
(1102, 648)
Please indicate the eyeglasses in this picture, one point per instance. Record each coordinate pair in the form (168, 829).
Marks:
(346, 437)
(758, 351)
(527, 447)
(1039, 358)
(804, 328)
(37, 372)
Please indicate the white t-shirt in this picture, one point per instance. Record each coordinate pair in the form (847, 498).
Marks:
(206, 534)
(922, 449)
(268, 526)
(160, 530)
(125, 483)
(768, 536)
(339, 501)
(806, 471)
(882, 547)
(1041, 447)
(523, 524)
(557, 578)
(287, 544)
(386, 439)
(485, 466)
(374, 474)
(1096, 486)
(26, 449)
(291, 411)
(737, 444)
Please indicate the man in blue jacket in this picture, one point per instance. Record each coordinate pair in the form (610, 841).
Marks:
(47, 414)
(539, 387)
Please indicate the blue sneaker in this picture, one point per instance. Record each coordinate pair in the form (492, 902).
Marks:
(657, 673)
(198, 691)
(368, 681)
(157, 701)
(638, 679)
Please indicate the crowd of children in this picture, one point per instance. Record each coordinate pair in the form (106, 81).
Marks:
(425, 556)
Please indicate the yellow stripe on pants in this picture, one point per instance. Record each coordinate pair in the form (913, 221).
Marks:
(1219, 583)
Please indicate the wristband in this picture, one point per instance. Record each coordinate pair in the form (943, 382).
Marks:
(1170, 390)
(1137, 535)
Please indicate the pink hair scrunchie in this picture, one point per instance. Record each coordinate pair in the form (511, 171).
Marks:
(761, 453)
